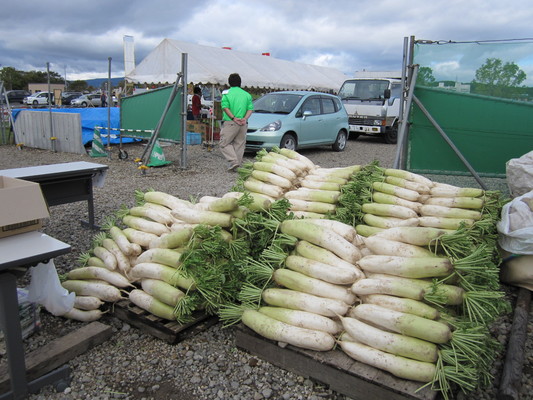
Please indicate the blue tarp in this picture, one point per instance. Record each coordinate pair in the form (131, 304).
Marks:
(91, 117)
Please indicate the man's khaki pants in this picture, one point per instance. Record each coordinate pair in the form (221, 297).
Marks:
(232, 142)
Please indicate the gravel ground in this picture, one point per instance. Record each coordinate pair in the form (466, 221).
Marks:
(208, 366)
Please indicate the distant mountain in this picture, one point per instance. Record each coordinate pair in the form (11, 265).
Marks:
(98, 82)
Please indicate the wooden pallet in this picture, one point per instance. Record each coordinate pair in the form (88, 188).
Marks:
(333, 368)
(170, 331)
(58, 352)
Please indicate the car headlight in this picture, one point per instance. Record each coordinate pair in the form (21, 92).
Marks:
(273, 126)
(377, 122)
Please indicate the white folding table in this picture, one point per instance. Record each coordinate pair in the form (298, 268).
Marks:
(65, 182)
(17, 253)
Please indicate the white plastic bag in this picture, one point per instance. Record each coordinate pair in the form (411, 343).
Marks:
(516, 225)
(45, 289)
(519, 173)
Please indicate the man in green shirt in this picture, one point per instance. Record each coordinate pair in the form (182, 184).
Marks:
(237, 106)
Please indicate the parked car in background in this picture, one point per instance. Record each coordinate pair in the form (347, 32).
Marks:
(39, 98)
(87, 100)
(297, 119)
(67, 97)
(16, 96)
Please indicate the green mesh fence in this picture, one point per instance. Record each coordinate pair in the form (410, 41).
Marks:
(481, 95)
(142, 112)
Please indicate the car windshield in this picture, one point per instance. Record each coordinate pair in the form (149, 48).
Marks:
(277, 103)
(363, 89)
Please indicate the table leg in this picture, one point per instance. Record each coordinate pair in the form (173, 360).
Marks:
(10, 324)
(90, 207)
(91, 204)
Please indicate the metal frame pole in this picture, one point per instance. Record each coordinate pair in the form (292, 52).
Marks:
(404, 73)
(450, 143)
(183, 158)
(52, 138)
(401, 148)
(109, 100)
(3, 97)
(155, 134)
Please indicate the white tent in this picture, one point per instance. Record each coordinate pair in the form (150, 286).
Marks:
(213, 65)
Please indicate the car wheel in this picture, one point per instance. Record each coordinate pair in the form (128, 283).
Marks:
(35, 102)
(84, 104)
(288, 141)
(340, 142)
(391, 135)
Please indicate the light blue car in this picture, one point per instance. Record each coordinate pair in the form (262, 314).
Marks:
(297, 119)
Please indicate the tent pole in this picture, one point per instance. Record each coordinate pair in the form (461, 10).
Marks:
(212, 122)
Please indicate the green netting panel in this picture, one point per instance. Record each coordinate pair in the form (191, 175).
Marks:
(143, 112)
(480, 93)
(488, 131)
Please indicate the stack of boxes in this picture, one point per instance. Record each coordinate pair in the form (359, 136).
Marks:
(201, 131)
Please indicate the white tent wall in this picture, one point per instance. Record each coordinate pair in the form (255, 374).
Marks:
(213, 65)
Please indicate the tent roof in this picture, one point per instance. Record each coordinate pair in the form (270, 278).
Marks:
(213, 65)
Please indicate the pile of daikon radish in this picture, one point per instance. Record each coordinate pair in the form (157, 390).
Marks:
(313, 191)
(148, 252)
(400, 271)
(431, 286)
(427, 282)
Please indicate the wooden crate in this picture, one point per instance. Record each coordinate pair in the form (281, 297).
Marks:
(170, 331)
(333, 368)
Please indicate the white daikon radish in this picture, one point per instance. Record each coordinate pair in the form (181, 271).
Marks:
(282, 332)
(302, 319)
(401, 367)
(394, 248)
(151, 304)
(305, 302)
(104, 292)
(394, 343)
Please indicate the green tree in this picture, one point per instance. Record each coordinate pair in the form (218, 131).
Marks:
(498, 79)
(15, 79)
(42, 77)
(425, 77)
(78, 86)
(12, 78)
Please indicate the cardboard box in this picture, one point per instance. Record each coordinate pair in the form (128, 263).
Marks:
(197, 126)
(22, 206)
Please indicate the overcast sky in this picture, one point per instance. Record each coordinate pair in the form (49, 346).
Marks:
(77, 37)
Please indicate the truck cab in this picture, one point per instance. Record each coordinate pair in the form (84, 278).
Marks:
(373, 106)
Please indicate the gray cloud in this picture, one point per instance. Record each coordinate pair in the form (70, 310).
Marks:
(78, 37)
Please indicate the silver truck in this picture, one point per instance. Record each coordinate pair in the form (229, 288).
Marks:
(373, 106)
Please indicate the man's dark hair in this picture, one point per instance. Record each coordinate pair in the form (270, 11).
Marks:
(197, 90)
(234, 80)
